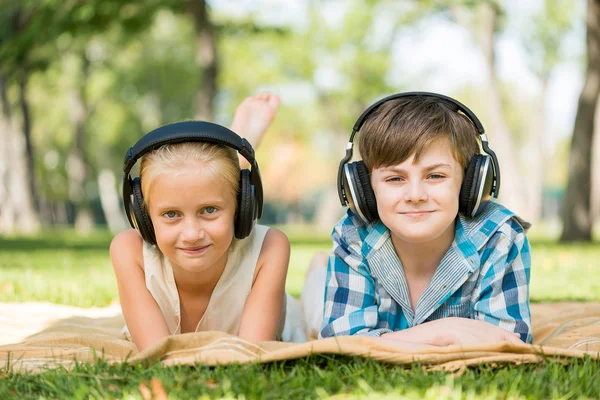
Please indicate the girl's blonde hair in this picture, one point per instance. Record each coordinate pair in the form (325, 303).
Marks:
(218, 159)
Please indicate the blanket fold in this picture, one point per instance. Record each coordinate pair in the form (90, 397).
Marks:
(561, 331)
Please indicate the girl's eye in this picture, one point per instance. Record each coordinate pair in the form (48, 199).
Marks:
(210, 210)
(170, 214)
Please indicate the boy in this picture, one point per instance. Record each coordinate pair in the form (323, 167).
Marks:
(406, 264)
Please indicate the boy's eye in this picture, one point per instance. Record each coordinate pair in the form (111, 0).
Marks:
(170, 214)
(436, 176)
(394, 179)
(210, 210)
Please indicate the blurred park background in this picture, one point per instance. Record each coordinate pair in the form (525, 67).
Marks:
(81, 81)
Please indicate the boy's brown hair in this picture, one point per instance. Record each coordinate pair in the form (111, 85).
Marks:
(401, 127)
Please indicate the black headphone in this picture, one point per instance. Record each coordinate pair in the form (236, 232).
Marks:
(250, 196)
(481, 180)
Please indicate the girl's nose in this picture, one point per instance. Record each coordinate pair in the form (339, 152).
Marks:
(193, 230)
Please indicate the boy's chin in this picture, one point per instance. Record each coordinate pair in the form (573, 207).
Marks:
(413, 238)
(417, 236)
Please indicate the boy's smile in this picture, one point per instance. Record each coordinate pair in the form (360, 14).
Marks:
(418, 200)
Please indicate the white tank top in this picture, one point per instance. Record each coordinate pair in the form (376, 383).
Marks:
(230, 293)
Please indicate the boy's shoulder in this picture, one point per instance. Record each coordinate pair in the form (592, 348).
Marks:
(363, 237)
(493, 220)
(354, 233)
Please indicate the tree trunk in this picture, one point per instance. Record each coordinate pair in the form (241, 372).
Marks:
(17, 213)
(23, 81)
(206, 60)
(7, 208)
(77, 162)
(596, 168)
(109, 198)
(501, 140)
(576, 215)
(534, 164)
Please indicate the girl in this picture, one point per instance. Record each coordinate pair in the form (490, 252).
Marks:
(198, 276)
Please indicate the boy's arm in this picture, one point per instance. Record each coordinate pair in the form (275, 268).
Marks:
(504, 296)
(350, 300)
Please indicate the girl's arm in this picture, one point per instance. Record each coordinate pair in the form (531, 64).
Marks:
(264, 306)
(144, 319)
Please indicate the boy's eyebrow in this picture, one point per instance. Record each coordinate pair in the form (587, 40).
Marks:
(436, 166)
(428, 168)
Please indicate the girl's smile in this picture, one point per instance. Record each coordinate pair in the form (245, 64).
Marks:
(193, 251)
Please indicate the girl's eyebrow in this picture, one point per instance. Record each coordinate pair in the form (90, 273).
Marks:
(428, 168)
(165, 206)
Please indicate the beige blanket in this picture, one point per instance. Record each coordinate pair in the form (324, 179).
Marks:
(561, 330)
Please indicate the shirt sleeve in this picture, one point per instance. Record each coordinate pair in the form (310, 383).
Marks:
(504, 296)
(350, 300)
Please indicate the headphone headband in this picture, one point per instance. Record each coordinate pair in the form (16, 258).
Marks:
(188, 131)
(459, 107)
(194, 131)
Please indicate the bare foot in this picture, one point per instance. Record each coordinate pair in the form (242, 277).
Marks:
(254, 115)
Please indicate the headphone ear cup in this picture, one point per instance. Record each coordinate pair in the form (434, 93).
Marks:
(363, 183)
(473, 181)
(246, 209)
(141, 219)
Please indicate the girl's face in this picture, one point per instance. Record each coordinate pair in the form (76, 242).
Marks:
(193, 216)
(418, 201)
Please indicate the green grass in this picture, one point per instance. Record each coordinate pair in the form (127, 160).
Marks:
(311, 377)
(66, 268)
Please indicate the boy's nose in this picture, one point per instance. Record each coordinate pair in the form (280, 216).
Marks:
(415, 193)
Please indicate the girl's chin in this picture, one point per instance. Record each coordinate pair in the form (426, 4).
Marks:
(193, 268)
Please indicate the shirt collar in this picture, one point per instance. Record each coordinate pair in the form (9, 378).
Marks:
(470, 236)
(460, 261)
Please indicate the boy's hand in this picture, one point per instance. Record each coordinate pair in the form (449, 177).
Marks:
(472, 331)
(254, 115)
(451, 331)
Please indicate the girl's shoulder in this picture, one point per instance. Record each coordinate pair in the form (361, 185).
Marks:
(126, 249)
(275, 240)
(274, 252)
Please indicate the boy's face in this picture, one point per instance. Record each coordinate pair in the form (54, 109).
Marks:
(418, 201)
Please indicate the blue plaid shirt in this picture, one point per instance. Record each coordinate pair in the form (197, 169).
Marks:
(484, 275)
